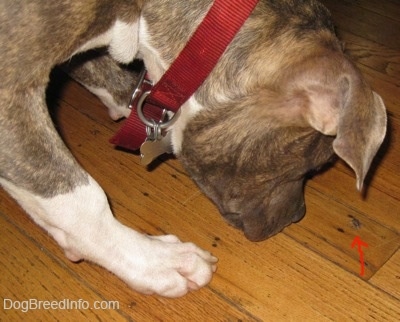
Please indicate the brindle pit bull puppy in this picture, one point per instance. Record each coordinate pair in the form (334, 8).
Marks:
(280, 102)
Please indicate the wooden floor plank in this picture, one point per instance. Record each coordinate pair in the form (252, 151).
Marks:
(379, 204)
(387, 9)
(371, 54)
(329, 224)
(388, 277)
(365, 23)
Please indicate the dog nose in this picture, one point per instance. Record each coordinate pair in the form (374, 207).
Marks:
(299, 214)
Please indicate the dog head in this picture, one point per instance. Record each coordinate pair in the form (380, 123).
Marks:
(251, 157)
(296, 106)
(282, 100)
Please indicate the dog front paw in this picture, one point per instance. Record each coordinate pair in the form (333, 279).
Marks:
(190, 266)
(171, 268)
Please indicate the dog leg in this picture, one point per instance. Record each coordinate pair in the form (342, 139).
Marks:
(110, 81)
(82, 223)
(40, 173)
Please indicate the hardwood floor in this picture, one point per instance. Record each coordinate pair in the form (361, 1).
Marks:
(307, 273)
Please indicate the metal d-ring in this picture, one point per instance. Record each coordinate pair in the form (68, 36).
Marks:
(151, 123)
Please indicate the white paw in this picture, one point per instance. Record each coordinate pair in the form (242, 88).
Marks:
(172, 268)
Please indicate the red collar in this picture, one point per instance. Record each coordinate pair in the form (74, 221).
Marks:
(188, 72)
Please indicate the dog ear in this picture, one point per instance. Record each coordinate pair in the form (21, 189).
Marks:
(360, 131)
(354, 113)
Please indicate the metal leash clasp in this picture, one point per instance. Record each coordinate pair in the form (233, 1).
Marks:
(158, 136)
(139, 89)
(140, 94)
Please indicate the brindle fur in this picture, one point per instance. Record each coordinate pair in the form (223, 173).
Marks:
(35, 36)
(280, 102)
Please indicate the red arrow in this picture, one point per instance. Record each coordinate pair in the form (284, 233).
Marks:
(357, 241)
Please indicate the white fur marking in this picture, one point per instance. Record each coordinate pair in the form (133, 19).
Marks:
(188, 111)
(99, 41)
(156, 67)
(115, 110)
(124, 42)
(122, 39)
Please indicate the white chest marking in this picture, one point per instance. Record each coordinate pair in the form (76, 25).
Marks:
(188, 111)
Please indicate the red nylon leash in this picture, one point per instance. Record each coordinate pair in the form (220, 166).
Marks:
(190, 69)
